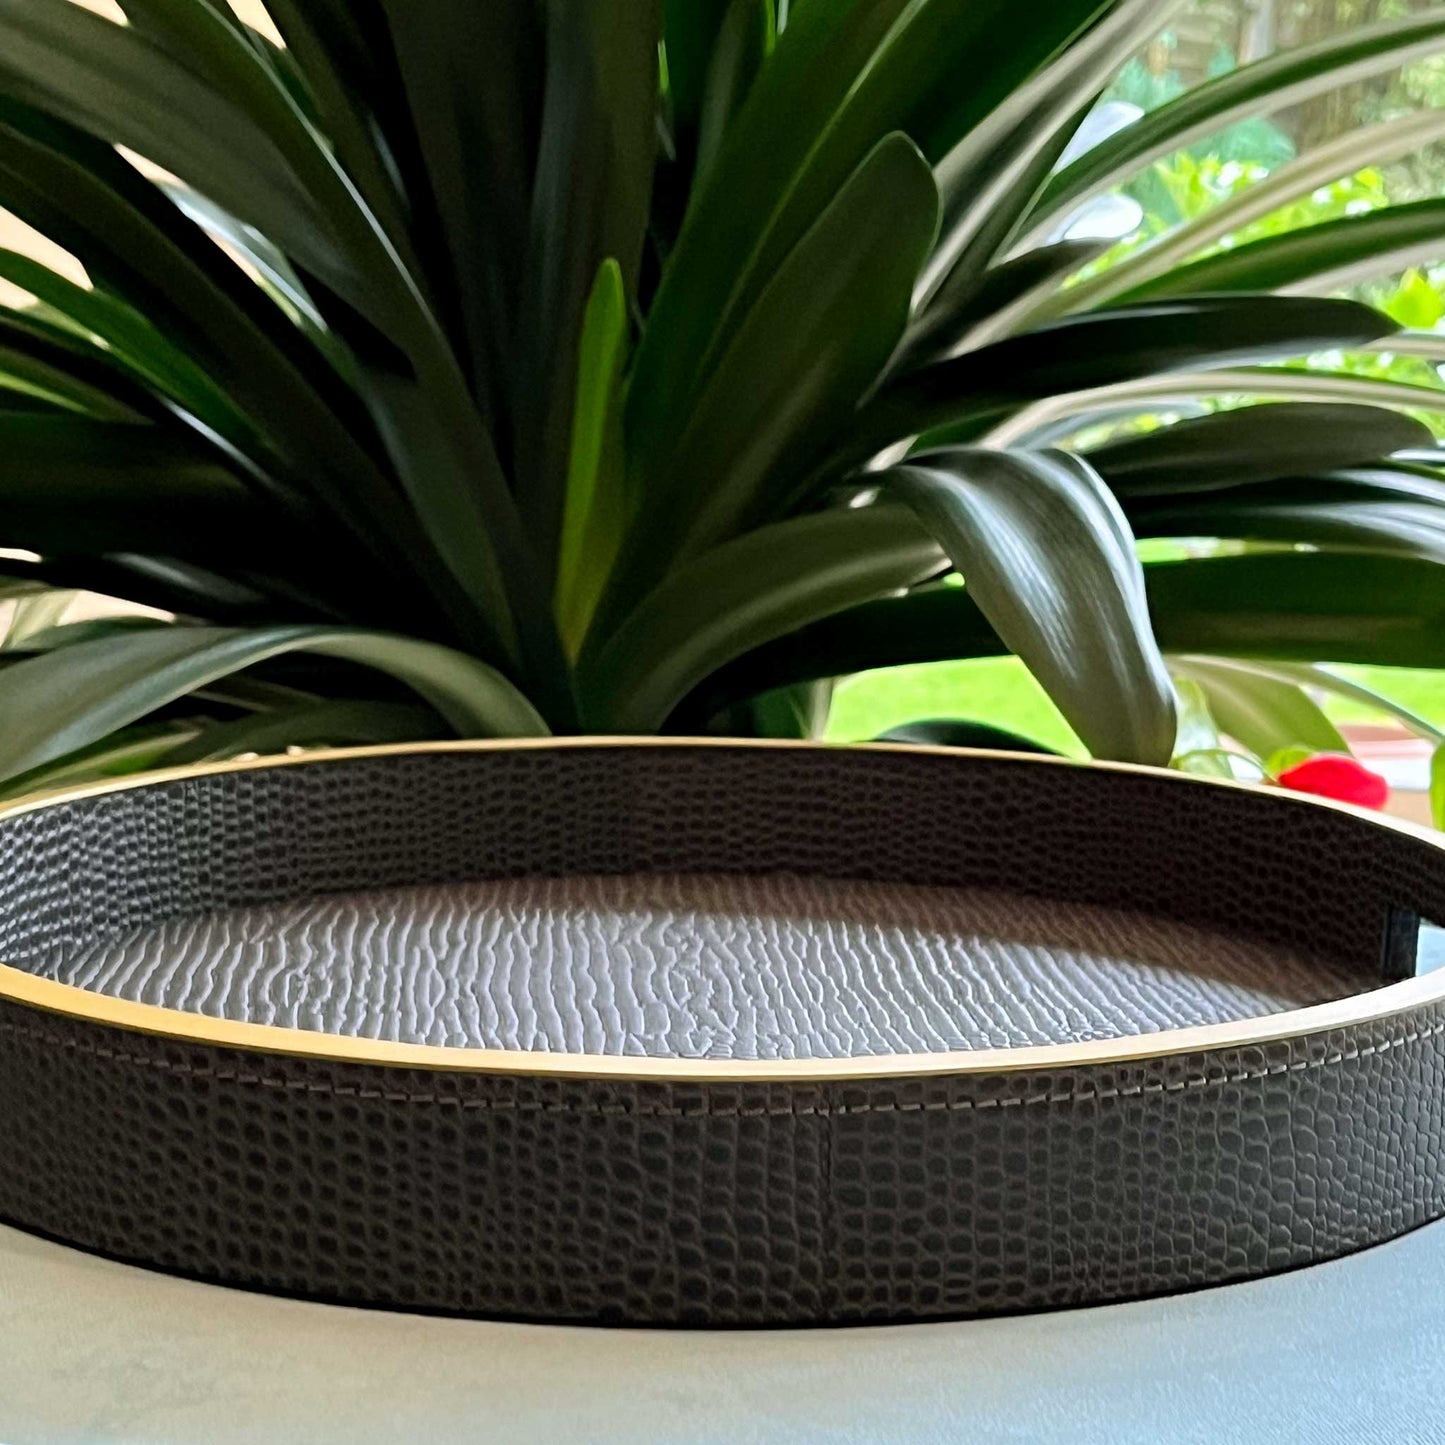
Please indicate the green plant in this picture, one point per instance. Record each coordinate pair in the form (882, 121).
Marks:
(461, 369)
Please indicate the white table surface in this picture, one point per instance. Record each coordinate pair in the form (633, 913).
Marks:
(97, 1352)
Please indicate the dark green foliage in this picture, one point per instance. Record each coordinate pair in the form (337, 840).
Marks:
(636, 365)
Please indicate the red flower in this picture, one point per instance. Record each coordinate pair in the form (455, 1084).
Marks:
(1333, 775)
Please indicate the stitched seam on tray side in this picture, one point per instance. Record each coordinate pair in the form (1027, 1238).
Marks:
(1069, 1096)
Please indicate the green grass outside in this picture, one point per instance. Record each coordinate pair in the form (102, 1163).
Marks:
(998, 690)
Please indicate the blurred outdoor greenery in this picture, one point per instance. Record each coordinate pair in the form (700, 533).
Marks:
(1000, 691)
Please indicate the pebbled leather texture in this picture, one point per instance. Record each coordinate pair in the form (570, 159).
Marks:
(707, 965)
(639, 1202)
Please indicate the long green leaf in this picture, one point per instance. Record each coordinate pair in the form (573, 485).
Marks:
(1265, 714)
(842, 76)
(1144, 394)
(1375, 145)
(17, 396)
(473, 85)
(453, 479)
(67, 699)
(132, 340)
(596, 511)
(314, 436)
(265, 85)
(1309, 675)
(473, 526)
(347, 45)
(199, 42)
(71, 484)
(36, 614)
(1391, 480)
(744, 593)
(820, 335)
(137, 247)
(1403, 528)
(1303, 606)
(155, 20)
(341, 50)
(387, 287)
(124, 87)
(168, 585)
(1275, 83)
(46, 361)
(130, 576)
(690, 30)
(450, 473)
(742, 44)
(1325, 257)
(1252, 444)
(1300, 606)
(590, 201)
(990, 177)
(266, 263)
(962, 733)
(128, 751)
(38, 625)
(208, 39)
(973, 308)
(1103, 349)
(343, 723)
(811, 70)
(1047, 556)
(1428, 344)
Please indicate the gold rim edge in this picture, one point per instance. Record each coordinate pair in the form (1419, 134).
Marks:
(1390, 1000)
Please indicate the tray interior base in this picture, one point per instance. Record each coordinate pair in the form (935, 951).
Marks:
(701, 966)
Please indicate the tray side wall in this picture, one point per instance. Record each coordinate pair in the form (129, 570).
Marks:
(1230, 858)
(752, 1204)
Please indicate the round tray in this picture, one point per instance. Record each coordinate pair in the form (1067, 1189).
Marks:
(687, 1032)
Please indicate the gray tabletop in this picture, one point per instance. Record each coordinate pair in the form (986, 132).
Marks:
(97, 1352)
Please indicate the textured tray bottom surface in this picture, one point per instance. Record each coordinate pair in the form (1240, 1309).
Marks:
(701, 966)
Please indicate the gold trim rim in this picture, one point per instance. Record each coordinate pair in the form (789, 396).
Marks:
(1389, 1001)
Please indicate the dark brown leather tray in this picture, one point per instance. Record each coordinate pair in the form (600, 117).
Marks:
(685, 1032)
